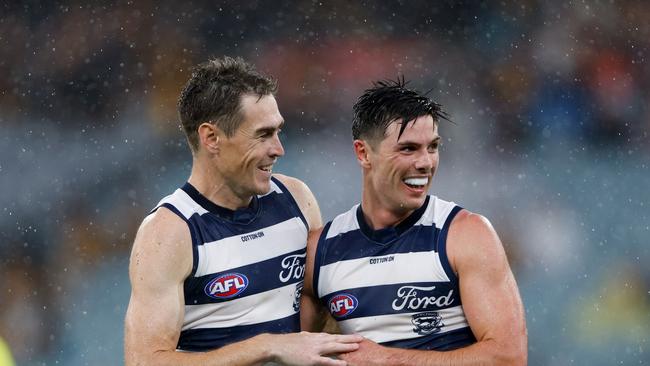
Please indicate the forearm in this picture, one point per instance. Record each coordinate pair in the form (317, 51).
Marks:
(253, 351)
(486, 352)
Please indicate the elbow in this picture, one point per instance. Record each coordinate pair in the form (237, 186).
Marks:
(512, 356)
(137, 355)
(132, 358)
(141, 360)
(510, 359)
(516, 359)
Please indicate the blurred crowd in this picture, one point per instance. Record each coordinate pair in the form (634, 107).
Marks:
(549, 103)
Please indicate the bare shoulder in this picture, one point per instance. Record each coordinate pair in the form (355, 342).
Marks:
(472, 240)
(163, 244)
(304, 198)
(294, 185)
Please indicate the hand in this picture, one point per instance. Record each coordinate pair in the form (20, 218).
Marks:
(368, 353)
(313, 348)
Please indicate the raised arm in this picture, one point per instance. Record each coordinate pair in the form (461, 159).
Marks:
(491, 303)
(160, 261)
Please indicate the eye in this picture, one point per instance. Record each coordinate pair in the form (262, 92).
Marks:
(266, 134)
(434, 147)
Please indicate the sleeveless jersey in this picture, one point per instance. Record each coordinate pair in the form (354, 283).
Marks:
(248, 267)
(395, 285)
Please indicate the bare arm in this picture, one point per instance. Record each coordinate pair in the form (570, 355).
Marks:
(490, 300)
(312, 313)
(160, 261)
(313, 316)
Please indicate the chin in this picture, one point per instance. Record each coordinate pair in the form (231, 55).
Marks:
(413, 203)
(262, 188)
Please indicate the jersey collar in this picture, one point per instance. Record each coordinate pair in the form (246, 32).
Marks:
(241, 215)
(388, 234)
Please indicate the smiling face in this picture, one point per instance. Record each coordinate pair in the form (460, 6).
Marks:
(246, 159)
(398, 173)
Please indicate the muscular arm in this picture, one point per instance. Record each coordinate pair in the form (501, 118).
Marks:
(490, 300)
(160, 261)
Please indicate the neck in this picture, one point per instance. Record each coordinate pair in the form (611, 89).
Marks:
(377, 212)
(211, 184)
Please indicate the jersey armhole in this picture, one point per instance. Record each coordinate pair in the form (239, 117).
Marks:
(318, 258)
(441, 244)
(294, 204)
(193, 235)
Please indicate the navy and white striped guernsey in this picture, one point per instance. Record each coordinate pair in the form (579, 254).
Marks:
(248, 267)
(395, 285)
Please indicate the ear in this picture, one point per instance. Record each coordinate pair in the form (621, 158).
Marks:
(209, 137)
(361, 150)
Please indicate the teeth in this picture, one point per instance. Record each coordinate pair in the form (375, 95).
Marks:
(416, 181)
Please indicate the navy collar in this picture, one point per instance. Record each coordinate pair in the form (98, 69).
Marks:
(241, 215)
(386, 235)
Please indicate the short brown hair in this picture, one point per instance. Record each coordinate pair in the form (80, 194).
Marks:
(213, 94)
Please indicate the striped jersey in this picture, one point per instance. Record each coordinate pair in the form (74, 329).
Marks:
(248, 267)
(394, 286)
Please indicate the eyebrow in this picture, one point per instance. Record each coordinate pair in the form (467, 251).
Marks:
(265, 129)
(407, 142)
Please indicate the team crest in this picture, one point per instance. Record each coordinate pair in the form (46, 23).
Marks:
(342, 305)
(428, 322)
(296, 296)
(226, 286)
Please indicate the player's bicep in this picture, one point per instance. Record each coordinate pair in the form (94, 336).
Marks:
(153, 321)
(159, 263)
(490, 296)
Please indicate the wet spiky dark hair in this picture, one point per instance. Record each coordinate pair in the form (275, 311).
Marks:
(386, 102)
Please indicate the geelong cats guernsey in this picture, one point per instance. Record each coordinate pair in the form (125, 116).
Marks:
(248, 267)
(395, 285)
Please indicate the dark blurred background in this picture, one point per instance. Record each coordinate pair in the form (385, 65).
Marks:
(549, 141)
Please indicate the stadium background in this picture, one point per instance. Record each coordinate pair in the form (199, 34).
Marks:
(550, 141)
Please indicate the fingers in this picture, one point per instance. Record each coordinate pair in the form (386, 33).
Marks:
(334, 347)
(348, 338)
(339, 343)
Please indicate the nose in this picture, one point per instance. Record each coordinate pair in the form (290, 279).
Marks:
(276, 147)
(424, 161)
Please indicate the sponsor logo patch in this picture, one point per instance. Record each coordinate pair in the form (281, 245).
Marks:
(342, 305)
(226, 286)
(293, 266)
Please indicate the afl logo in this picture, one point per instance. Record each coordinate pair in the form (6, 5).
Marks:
(226, 286)
(342, 305)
